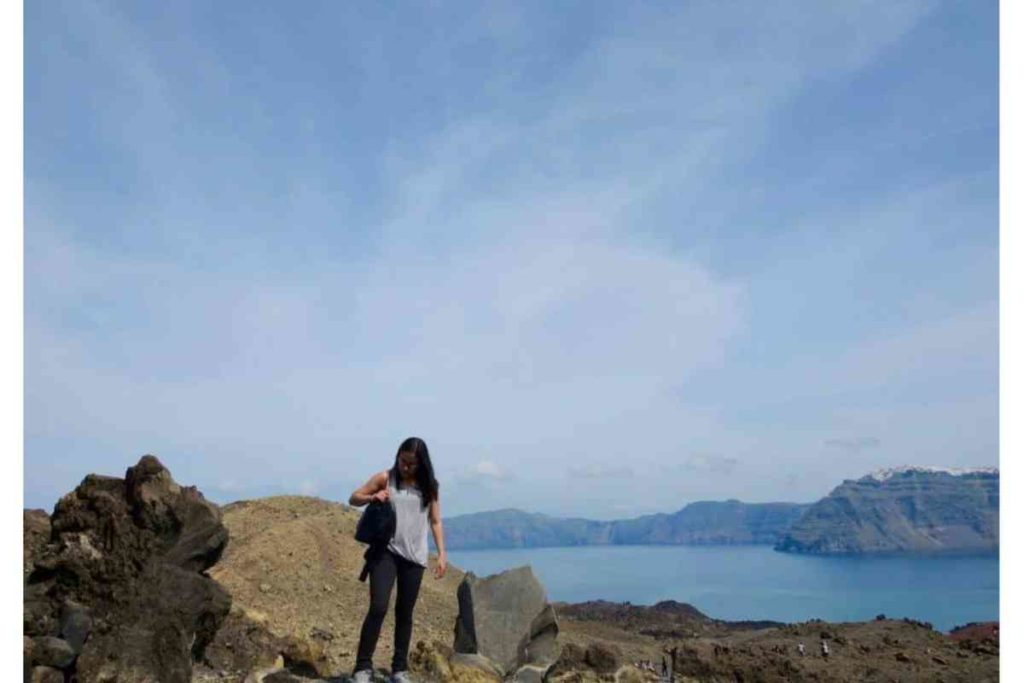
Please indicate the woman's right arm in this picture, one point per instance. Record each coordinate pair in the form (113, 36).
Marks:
(375, 488)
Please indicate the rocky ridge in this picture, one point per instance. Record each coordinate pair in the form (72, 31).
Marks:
(907, 509)
(700, 523)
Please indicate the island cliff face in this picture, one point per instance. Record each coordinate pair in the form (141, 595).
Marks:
(907, 509)
(701, 523)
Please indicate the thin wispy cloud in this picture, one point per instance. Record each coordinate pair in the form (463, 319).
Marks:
(707, 462)
(596, 471)
(486, 469)
(853, 444)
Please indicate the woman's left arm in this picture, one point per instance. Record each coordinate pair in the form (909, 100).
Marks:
(438, 530)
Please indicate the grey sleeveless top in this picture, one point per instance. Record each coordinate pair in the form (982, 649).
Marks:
(410, 540)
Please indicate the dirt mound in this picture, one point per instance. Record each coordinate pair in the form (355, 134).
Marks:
(979, 631)
(292, 566)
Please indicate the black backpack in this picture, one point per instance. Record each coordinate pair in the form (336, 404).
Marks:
(376, 527)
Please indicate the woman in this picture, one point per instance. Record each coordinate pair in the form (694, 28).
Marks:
(412, 489)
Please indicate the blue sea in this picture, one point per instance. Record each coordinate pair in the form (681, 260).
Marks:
(756, 582)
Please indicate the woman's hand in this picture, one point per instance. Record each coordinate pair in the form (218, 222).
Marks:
(381, 496)
(368, 492)
(441, 567)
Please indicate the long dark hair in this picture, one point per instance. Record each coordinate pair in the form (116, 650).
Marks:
(425, 480)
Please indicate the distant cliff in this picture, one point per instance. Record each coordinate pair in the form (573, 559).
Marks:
(702, 523)
(907, 509)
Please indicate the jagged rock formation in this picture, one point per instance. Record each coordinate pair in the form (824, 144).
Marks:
(701, 523)
(118, 590)
(908, 509)
(507, 619)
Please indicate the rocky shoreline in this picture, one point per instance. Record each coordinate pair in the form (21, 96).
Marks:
(135, 579)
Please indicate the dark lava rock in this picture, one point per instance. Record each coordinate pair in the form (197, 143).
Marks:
(46, 674)
(284, 677)
(36, 534)
(75, 625)
(122, 577)
(244, 644)
(601, 658)
(50, 651)
(571, 658)
(604, 659)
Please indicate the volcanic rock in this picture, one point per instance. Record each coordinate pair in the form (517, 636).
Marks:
(46, 674)
(36, 528)
(121, 578)
(604, 659)
(50, 651)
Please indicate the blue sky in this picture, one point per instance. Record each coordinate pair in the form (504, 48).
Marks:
(607, 259)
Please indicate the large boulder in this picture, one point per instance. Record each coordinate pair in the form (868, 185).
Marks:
(507, 619)
(119, 591)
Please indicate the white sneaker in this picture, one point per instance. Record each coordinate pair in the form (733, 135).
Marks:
(364, 676)
(401, 677)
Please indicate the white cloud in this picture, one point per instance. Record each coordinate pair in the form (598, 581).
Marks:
(486, 469)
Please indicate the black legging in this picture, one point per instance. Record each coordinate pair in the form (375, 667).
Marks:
(382, 578)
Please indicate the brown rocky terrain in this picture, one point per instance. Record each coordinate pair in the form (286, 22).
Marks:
(292, 566)
(881, 650)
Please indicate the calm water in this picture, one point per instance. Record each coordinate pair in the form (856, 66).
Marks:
(755, 582)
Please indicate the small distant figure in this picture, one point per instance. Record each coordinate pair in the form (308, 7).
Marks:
(824, 649)
(801, 649)
(664, 667)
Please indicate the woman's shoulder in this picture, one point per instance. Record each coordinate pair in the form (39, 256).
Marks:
(381, 478)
